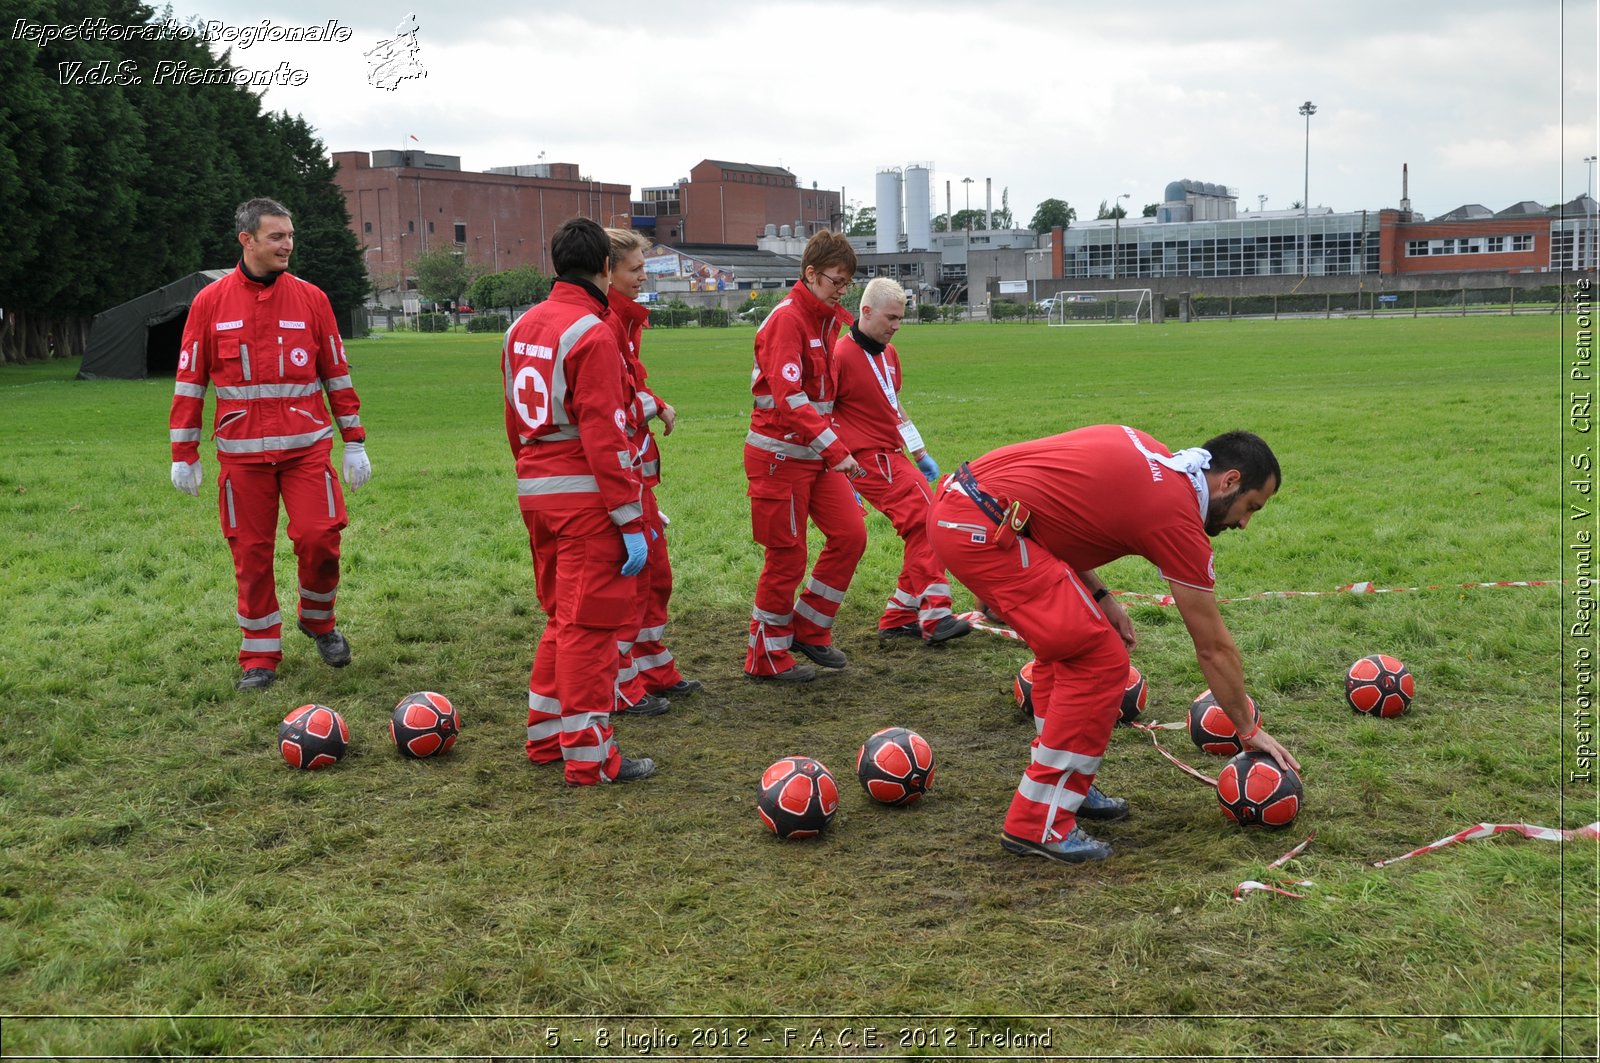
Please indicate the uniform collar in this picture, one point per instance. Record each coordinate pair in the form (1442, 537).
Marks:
(629, 310)
(865, 342)
(588, 287)
(266, 282)
(802, 297)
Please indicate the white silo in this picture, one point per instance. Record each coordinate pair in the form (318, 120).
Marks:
(919, 206)
(888, 208)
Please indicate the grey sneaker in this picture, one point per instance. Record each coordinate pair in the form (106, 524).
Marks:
(333, 646)
(1075, 848)
(649, 705)
(827, 656)
(948, 627)
(800, 673)
(256, 679)
(1097, 805)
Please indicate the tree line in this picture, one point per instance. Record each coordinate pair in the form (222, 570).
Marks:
(108, 190)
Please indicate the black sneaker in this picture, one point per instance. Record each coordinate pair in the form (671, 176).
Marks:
(1075, 848)
(827, 656)
(649, 705)
(948, 627)
(635, 768)
(912, 630)
(800, 673)
(682, 688)
(333, 646)
(256, 679)
(1097, 805)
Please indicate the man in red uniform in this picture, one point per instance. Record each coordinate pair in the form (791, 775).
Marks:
(648, 675)
(1025, 526)
(268, 341)
(791, 458)
(873, 424)
(567, 393)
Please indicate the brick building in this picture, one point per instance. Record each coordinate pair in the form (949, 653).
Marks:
(732, 204)
(403, 203)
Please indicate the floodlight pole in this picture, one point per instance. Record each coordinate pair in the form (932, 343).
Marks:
(1588, 191)
(1308, 109)
(1116, 232)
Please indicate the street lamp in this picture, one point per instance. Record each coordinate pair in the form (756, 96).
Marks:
(1116, 235)
(1308, 109)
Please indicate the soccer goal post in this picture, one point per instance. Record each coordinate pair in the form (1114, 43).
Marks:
(1116, 306)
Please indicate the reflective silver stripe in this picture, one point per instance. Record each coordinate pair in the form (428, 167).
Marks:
(582, 721)
(651, 634)
(261, 645)
(543, 703)
(802, 609)
(650, 468)
(823, 407)
(316, 614)
(822, 590)
(259, 623)
(772, 314)
(772, 642)
(568, 432)
(648, 406)
(763, 402)
(623, 646)
(558, 373)
(338, 383)
(941, 589)
(626, 514)
(327, 476)
(544, 729)
(353, 421)
(227, 492)
(940, 613)
(901, 598)
(775, 619)
(336, 348)
(655, 660)
(824, 440)
(797, 400)
(557, 485)
(314, 596)
(189, 391)
(629, 673)
(1065, 761)
(625, 459)
(265, 443)
(244, 360)
(778, 446)
(184, 435)
(594, 754)
(267, 391)
(1056, 796)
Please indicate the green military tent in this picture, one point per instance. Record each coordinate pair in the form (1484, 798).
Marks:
(142, 336)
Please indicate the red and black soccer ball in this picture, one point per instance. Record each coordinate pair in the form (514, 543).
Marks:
(895, 766)
(1022, 689)
(798, 797)
(1256, 791)
(313, 737)
(1211, 730)
(424, 724)
(1379, 685)
(1135, 696)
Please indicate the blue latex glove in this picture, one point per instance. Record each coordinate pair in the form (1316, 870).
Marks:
(637, 550)
(928, 467)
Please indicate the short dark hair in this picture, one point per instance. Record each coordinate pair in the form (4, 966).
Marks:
(1248, 453)
(247, 215)
(580, 248)
(828, 248)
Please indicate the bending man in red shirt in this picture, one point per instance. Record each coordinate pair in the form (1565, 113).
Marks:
(1025, 527)
(874, 426)
(793, 458)
(578, 487)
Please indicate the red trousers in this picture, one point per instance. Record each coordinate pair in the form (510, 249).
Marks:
(247, 503)
(1082, 662)
(783, 496)
(577, 563)
(898, 490)
(647, 666)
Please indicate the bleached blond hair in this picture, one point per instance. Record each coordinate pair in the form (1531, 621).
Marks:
(881, 293)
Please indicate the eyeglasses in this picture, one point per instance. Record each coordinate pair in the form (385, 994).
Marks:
(837, 282)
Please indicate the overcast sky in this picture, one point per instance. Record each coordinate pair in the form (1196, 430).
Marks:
(1489, 102)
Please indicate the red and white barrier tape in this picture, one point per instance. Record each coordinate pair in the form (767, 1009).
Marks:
(1152, 728)
(1488, 830)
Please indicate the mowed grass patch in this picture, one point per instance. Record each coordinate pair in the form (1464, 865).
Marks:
(157, 857)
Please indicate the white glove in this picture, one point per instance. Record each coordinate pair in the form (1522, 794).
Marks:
(357, 468)
(186, 477)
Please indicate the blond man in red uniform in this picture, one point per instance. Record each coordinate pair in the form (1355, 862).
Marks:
(578, 487)
(648, 677)
(268, 342)
(799, 470)
(1025, 527)
(873, 424)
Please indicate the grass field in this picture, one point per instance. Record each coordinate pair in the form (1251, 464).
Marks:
(169, 887)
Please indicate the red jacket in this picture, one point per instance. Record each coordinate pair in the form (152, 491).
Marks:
(793, 395)
(628, 321)
(567, 396)
(866, 416)
(271, 350)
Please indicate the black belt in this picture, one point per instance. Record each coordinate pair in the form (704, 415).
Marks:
(987, 503)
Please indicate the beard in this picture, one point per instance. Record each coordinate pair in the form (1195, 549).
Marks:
(1217, 513)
